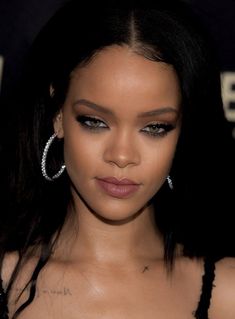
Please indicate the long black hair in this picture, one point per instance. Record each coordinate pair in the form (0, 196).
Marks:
(167, 31)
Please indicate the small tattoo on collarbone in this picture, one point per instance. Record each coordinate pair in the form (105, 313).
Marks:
(146, 268)
(48, 291)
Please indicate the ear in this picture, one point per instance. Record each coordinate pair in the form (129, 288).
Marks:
(58, 124)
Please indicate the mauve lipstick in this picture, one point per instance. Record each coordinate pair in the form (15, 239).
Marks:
(118, 188)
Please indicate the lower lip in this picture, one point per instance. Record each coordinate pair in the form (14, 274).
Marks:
(119, 191)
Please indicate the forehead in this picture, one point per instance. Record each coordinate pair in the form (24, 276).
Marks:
(119, 76)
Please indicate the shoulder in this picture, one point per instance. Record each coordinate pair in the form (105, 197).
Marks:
(9, 263)
(223, 294)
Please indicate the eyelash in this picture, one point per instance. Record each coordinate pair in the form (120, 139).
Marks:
(164, 128)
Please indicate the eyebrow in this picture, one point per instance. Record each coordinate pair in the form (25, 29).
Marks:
(102, 109)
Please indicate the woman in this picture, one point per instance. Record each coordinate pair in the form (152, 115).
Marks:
(122, 129)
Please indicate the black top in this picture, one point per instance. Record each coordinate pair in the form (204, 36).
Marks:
(207, 286)
(200, 313)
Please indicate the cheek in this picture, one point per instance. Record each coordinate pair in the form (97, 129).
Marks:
(82, 153)
(77, 153)
(158, 160)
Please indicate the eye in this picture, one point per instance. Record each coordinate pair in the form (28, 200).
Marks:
(91, 123)
(158, 129)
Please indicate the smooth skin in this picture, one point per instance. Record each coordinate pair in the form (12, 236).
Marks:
(108, 262)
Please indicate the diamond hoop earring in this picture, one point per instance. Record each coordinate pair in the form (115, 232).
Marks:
(43, 162)
(170, 183)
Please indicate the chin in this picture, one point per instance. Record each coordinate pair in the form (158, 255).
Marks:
(117, 220)
(119, 214)
(111, 210)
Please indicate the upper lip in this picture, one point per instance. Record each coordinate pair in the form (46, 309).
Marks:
(122, 181)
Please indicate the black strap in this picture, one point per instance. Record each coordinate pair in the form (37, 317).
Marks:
(207, 286)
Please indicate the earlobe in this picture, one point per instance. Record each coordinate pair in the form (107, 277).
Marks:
(58, 125)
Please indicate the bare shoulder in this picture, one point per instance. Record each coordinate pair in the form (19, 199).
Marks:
(223, 295)
(9, 263)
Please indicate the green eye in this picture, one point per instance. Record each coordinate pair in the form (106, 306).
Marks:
(91, 123)
(158, 129)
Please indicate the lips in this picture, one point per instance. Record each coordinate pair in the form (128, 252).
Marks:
(122, 181)
(117, 188)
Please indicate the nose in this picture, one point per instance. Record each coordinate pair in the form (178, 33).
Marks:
(122, 151)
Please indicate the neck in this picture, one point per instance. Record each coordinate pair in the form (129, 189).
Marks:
(87, 237)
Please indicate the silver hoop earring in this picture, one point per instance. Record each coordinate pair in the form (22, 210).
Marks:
(43, 162)
(170, 183)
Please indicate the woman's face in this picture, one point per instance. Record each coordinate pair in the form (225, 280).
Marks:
(121, 118)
